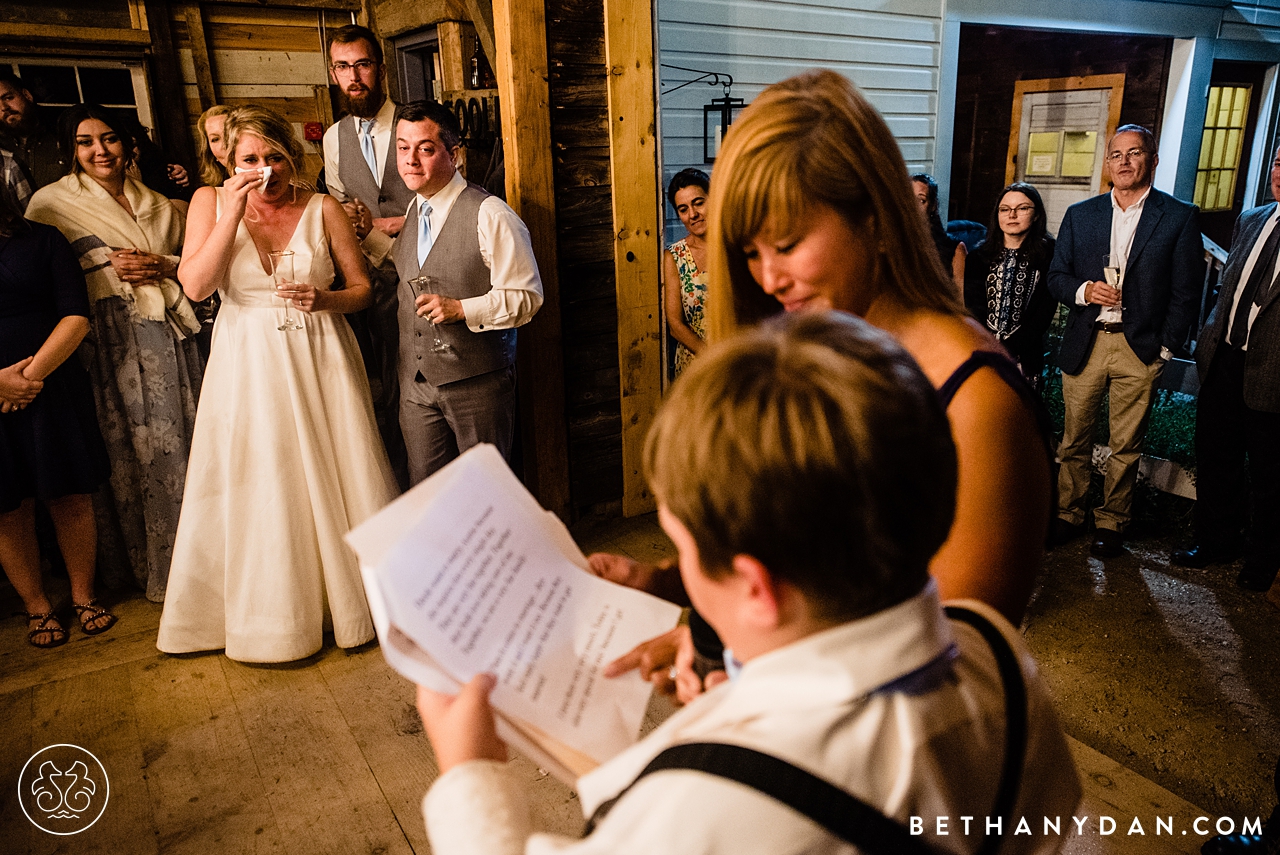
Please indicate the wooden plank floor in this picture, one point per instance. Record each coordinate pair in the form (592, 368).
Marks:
(206, 755)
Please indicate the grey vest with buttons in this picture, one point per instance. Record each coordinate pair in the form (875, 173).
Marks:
(388, 200)
(460, 272)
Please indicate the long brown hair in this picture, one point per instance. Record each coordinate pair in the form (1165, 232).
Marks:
(815, 139)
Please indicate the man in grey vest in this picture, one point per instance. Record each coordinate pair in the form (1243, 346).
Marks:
(360, 171)
(468, 278)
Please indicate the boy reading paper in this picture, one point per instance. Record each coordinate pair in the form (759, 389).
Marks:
(806, 474)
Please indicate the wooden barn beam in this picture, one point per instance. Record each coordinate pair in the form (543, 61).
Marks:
(200, 56)
(170, 107)
(520, 33)
(628, 41)
(481, 14)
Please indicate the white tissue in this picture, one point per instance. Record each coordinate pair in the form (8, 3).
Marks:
(266, 176)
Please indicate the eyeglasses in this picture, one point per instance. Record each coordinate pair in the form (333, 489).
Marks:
(360, 66)
(1005, 210)
(1131, 154)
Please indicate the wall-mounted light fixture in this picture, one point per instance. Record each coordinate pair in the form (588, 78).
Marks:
(716, 116)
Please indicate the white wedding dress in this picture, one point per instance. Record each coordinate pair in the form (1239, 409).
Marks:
(285, 460)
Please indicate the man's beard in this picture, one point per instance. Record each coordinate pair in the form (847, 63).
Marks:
(364, 106)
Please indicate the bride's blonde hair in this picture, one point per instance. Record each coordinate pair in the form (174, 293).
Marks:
(270, 127)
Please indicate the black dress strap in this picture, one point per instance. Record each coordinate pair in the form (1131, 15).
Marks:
(998, 362)
(838, 811)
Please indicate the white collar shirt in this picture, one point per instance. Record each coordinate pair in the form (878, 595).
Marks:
(506, 250)
(817, 704)
(381, 131)
(1247, 272)
(1124, 225)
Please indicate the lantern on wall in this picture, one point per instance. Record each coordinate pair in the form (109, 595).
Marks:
(716, 119)
(716, 116)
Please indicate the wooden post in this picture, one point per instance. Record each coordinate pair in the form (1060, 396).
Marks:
(200, 56)
(170, 107)
(520, 32)
(455, 62)
(481, 12)
(628, 41)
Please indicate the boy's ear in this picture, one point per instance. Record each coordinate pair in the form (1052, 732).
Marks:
(760, 607)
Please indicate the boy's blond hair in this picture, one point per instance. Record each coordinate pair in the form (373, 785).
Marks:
(814, 444)
(815, 139)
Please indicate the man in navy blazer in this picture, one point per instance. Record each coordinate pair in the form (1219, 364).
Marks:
(1238, 411)
(1117, 339)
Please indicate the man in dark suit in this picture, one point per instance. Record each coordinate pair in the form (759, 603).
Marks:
(1238, 412)
(1118, 339)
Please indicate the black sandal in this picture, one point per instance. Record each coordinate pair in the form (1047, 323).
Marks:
(48, 625)
(95, 613)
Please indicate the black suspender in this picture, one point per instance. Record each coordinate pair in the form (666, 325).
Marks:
(841, 813)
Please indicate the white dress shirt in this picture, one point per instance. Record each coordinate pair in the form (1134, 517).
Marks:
(1124, 224)
(931, 750)
(1249, 264)
(377, 244)
(505, 247)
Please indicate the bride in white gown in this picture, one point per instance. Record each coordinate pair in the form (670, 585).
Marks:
(286, 457)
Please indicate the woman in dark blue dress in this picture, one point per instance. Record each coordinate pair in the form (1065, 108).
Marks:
(50, 448)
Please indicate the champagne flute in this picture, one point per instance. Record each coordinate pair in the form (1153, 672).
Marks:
(282, 274)
(1112, 272)
(427, 285)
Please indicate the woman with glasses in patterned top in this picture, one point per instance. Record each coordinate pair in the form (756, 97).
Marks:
(1005, 283)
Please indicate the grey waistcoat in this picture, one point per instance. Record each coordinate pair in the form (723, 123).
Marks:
(388, 200)
(456, 264)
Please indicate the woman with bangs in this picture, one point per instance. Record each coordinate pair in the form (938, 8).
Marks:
(812, 209)
(286, 457)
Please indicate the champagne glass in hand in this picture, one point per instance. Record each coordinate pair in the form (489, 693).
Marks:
(282, 274)
(1111, 272)
(426, 286)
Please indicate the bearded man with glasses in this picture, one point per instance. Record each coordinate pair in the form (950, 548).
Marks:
(1120, 335)
(360, 171)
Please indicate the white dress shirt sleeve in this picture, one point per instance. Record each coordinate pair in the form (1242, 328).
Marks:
(1080, 300)
(331, 179)
(516, 292)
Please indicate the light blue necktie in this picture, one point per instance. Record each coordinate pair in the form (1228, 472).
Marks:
(366, 147)
(424, 232)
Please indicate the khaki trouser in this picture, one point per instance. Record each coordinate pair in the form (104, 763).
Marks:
(1113, 366)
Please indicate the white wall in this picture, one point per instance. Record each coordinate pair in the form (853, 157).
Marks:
(890, 48)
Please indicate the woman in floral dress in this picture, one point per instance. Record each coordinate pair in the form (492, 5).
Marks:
(684, 278)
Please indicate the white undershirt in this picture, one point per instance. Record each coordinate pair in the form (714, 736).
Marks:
(1252, 260)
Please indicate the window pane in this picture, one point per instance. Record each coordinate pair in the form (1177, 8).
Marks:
(1215, 154)
(107, 85)
(1234, 139)
(50, 85)
(1239, 94)
(1198, 196)
(1205, 140)
(1211, 191)
(1042, 154)
(1211, 114)
(1079, 149)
